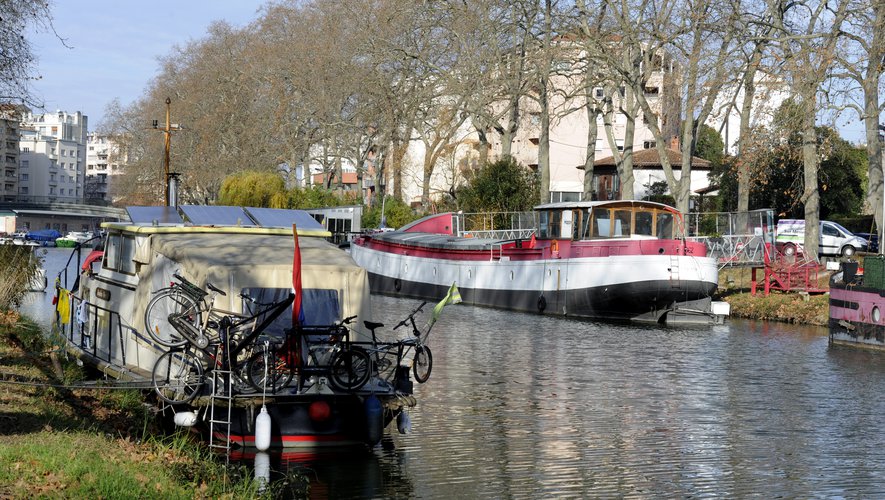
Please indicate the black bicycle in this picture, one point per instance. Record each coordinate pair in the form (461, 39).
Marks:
(178, 375)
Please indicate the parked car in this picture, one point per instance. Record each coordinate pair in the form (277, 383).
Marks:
(872, 241)
(834, 239)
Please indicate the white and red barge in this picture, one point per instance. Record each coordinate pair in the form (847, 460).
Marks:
(857, 305)
(611, 260)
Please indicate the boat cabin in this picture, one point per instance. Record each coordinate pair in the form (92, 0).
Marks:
(600, 220)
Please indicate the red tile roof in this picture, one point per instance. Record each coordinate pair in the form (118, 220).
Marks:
(648, 158)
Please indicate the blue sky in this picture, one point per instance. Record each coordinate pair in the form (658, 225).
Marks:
(114, 46)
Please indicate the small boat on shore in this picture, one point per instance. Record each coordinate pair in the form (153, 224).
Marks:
(238, 257)
(610, 260)
(857, 305)
(74, 238)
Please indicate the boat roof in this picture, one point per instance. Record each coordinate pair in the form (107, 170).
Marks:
(218, 219)
(430, 240)
(614, 203)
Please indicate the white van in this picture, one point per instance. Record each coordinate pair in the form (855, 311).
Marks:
(834, 239)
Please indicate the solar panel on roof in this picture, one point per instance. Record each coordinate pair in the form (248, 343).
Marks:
(151, 215)
(209, 215)
(279, 217)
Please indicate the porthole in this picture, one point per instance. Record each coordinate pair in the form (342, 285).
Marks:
(876, 314)
(469, 273)
(406, 268)
(434, 271)
(511, 275)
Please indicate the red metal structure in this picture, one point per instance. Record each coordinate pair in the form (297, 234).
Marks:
(793, 273)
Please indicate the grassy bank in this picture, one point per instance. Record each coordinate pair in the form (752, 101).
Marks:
(790, 307)
(66, 442)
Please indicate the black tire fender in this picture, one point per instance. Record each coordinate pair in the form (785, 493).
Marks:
(542, 303)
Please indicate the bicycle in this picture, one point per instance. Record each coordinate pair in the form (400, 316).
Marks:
(275, 368)
(189, 303)
(356, 364)
(179, 374)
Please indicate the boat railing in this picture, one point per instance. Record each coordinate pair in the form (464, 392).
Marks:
(496, 225)
(96, 323)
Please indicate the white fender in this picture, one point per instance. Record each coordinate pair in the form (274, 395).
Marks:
(262, 430)
(185, 419)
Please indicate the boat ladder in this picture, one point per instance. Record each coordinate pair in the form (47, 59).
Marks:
(674, 271)
(219, 418)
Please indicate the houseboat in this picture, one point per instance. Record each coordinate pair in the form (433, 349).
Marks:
(244, 256)
(609, 260)
(857, 304)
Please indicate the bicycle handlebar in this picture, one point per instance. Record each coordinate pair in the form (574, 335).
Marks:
(411, 317)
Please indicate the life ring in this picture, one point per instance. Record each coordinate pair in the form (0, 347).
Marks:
(554, 246)
(397, 284)
(542, 303)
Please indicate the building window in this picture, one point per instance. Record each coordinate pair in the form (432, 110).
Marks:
(620, 144)
(62, 152)
(24, 164)
(599, 92)
(26, 150)
(52, 190)
(24, 177)
(649, 144)
(23, 189)
(622, 90)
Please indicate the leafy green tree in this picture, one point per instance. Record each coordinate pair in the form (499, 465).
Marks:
(501, 186)
(396, 214)
(316, 197)
(252, 189)
(710, 146)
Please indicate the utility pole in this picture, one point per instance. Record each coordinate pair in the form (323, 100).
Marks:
(167, 131)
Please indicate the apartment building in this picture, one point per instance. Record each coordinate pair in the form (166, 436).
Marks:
(103, 163)
(52, 162)
(569, 126)
(9, 153)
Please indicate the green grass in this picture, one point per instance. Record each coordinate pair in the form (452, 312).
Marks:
(60, 442)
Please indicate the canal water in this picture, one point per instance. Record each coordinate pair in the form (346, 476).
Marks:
(527, 406)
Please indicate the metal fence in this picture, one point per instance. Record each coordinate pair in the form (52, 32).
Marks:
(498, 225)
(733, 238)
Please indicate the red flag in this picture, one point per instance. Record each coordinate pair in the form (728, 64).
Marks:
(296, 280)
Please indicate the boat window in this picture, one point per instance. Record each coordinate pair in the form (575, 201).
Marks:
(542, 225)
(112, 252)
(622, 223)
(549, 226)
(319, 307)
(665, 225)
(127, 255)
(644, 223)
(601, 223)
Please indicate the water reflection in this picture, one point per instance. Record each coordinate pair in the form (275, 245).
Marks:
(528, 406)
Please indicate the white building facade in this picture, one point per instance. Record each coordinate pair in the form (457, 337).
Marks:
(52, 162)
(103, 163)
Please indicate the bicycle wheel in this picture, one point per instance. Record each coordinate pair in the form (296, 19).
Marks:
(422, 364)
(177, 376)
(271, 376)
(156, 316)
(350, 369)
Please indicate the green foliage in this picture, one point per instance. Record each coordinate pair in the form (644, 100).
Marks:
(502, 186)
(775, 169)
(396, 213)
(251, 189)
(710, 146)
(18, 266)
(317, 197)
(658, 192)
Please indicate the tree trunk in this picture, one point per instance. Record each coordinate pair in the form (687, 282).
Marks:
(810, 195)
(544, 143)
(590, 158)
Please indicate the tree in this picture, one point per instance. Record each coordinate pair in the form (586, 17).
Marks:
(809, 40)
(501, 186)
(17, 59)
(861, 61)
(253, 189)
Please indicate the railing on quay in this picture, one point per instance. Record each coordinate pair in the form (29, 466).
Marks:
(734, 238)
